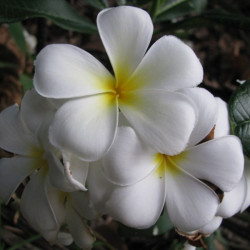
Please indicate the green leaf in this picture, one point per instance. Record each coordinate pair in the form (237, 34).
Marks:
(23, 243)
(177, 8)
(211, 18)
(4, 65)
(200, 5)
(26, 82)
(160, 227)
(16, 30)
(98, 4)
(239, 114)
(59, 11)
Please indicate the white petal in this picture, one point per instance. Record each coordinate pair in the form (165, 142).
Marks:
(57, 202)
(219, 161)
(233, 200)
(169, 64)
(65, 239)
(12, 172)
(14, 135)
(207, 113)
(79, 229)
(35, 205)
(137, 206)
(162, 119)
(76, 170)
(82, 204)
(64, 71)
(190, 203)
(222, 127)
(247, 179)
(212, 226)
(129, 159)
(125, 32)
(187, 246)
(50, 236)
(99, 188)
(35, 109)
(59, 176)
(86, 127)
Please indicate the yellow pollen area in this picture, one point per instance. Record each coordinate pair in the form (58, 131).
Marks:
(39, 162)
(168, 164)
(36, 152)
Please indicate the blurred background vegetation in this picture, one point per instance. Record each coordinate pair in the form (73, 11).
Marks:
(217, 30)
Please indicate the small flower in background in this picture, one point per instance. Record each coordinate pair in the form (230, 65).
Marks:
(144, 87)
(24, 132)
(140, 181)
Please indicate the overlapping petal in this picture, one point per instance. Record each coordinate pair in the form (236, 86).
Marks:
(129, 160)
(99, 187)
(222, 127)
(246, 203)
(35, 110)
(219, 161)
(79, 229)
(14, 135)
(212, 226)
(125, 32)
(190, 203)
(86, 127)
(162, 119)
(12, 172)
(169, 64)
(206, 112)
(76, 171)
(83, 205)
(35, 205)
(137, 205)
(65, 71)
(233, 200)
(59, 175)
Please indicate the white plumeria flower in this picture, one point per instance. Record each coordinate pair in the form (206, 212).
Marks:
(233, 200)
(72, 209)
(141, 181)
(144, 87)
(24, 132)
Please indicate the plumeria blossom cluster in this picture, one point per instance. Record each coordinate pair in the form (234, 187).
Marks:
(132, 144)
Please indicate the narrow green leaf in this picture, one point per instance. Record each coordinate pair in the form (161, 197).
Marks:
(16, 30)
(200, 5)
(239, 114)
(211, 18)
(23, 243)
(178, 8)
(155, 6)
(59, 11)
(173, 9)
(98, 4)
(26, 82)
(7, 65)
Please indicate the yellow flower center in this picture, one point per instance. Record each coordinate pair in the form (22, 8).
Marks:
(169, 164)
(38, 155)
